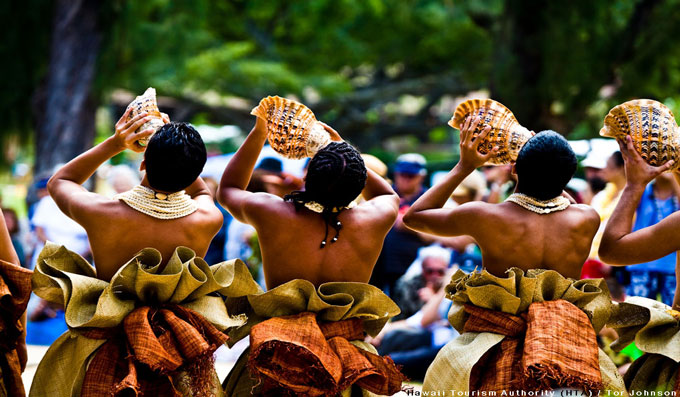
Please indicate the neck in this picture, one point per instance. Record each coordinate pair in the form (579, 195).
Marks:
(145, 183)
(517, 190)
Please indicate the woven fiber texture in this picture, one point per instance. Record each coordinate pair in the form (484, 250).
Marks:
(656, 332)
(15, 290)
(460, 363)
(322, 332)
(185, 298)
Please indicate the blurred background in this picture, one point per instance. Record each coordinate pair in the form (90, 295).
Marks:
(386, 74)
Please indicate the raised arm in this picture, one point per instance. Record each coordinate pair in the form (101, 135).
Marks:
(7, 252)
(65, 186)
(426, 214)
(232, 193)
(618, 244)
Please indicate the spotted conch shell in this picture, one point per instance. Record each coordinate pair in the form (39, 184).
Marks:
(146, 103)
(292, 129)
(506, 132)
(651, 125)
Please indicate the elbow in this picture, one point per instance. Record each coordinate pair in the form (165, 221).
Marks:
(606, 253)
(222, 195)
(412, 221)
(52, 184)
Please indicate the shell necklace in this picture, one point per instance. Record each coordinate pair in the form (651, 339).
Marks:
(158, 205)
(558, 203)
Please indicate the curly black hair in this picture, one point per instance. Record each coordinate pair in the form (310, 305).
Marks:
(336, 176)
(544, 166)
(174, 157)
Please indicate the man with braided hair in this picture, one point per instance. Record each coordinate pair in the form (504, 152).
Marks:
(318, 251)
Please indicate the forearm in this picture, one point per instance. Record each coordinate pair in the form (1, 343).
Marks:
(621, 221)
(376, 186)
(81, 168)
(437, 196)
(7, 252)
(676, 298)
(240, 167)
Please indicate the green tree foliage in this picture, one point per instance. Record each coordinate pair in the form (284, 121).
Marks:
(373, 68)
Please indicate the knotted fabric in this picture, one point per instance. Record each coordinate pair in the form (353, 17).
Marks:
(145, 355)
(306, 319)
(15, 289)
(296, 355)
(552, 345)
(150, 323)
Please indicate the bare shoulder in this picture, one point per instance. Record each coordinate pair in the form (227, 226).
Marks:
(382, 209)
(479, 207)
(209, 213)
(262, 206)
(588, 213)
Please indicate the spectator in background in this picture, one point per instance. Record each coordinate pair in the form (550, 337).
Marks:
(12, 222)
(217, 249)
(604, 203)
(593, 164)
(413, 291)
(122, 178)
(500, 181)
(466, 253)
(413, 343)
(53, 225)
(657, 277)
(401, 245)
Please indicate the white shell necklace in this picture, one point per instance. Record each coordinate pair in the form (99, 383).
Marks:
(158, 205)
(558, 203)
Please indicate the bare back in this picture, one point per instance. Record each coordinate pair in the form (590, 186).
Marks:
(509, 235)
(290, 242)
(117, 232)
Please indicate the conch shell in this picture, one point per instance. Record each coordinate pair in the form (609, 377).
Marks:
(651, 125)
(292, 129)
(506, 132)
(146, 103)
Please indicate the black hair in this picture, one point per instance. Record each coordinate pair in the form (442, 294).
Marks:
(544, 166)
(174, 157)
(618, 159)
(336, 176)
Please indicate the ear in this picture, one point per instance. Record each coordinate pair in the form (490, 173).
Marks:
(142, 166)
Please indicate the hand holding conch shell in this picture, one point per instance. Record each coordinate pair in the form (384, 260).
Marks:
(126, 136)
(470, 157)
(638, 171)
(506, 132)
(292, 129)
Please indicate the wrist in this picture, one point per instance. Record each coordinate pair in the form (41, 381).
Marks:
(115, 145)
(635, 186)
(464, 168)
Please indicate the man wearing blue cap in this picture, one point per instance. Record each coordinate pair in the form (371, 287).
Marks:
(401, 244)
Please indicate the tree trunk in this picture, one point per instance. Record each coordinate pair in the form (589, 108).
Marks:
(64, 105)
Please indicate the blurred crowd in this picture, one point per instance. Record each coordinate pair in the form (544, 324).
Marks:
(413, 268)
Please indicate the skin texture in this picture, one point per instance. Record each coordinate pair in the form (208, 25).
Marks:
(622, 247)
(8, 254)
(507, 234)
(290, 239)
(116, 231)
